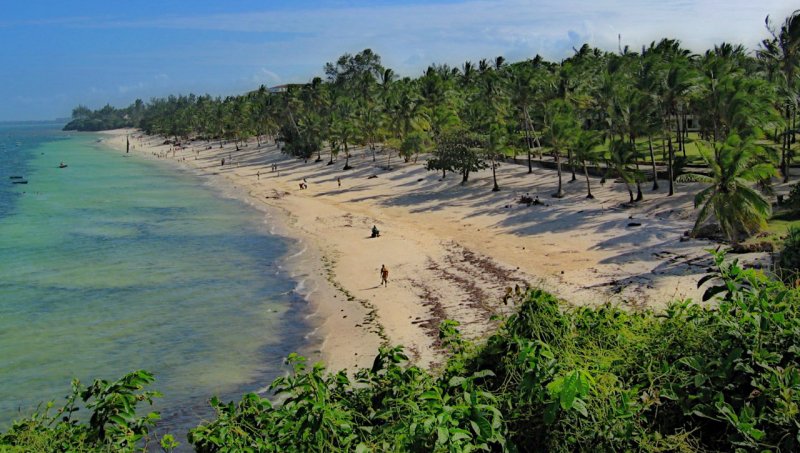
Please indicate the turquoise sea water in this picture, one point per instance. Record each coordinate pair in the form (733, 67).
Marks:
(117, 263)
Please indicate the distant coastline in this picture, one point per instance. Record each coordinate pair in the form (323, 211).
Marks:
(22, 122)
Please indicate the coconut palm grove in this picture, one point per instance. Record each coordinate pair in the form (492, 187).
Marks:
(723, 376)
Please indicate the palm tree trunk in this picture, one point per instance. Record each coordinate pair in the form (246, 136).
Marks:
(671, 153)
(679, 132)
(346, 158)
(639, 196)
(560, 192)
(785, 156)
(588, 186)
(536, 139)
(683, 132)
(494, 176)
(571, 165)
(528, 142)
(653, 162)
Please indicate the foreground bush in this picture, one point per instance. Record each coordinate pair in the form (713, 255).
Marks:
(551, 378)
(789, 259)
(113, 424)
(591, 379)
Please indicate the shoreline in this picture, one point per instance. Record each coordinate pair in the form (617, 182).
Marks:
(303, 264)
(453, 250)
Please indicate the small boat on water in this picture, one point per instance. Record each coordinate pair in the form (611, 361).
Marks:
(62, 165)
(19, 181)
(15, 177)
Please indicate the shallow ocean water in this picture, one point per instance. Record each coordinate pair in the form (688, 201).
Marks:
(117, 263)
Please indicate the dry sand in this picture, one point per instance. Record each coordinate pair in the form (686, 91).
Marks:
(451, 249)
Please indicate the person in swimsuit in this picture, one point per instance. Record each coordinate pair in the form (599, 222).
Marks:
(384, 275)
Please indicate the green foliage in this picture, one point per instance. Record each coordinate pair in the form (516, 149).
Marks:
(108, 117)
(552, 378)
(457, 151)
(113, 424)
(793, 200)
(415, 142)
(557, 379)
(738, 209)
(789, 261)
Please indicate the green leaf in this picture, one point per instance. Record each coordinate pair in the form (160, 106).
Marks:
(580, 406)
(484, 425)
(455, 381)
(483, 374)
(430, 395)
(569, 390)
(442, 435)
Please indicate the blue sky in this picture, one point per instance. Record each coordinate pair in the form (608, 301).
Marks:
(57, 54)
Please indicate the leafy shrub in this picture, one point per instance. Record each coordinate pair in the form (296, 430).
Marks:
(789, 261)
(793, 200)
(113, 424)
(552, 378)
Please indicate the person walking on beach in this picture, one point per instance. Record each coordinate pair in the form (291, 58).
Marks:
(339, 180)
(258, 175)
(384, 275)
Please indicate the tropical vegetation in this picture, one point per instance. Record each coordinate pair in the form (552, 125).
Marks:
(552, 378)
(643, 116)
(691, 377)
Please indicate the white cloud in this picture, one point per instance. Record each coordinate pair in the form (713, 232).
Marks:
(124, 89)
(453, 32)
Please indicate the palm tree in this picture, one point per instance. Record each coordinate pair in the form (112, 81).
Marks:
(522, 98)
(370, 122)
(496, 147)
(677, 83)
(737, 207)
(585, 152)
(782, 57)
(672, 84)
(561, 125)
(343, 131)
(622, 155)
(645, 109)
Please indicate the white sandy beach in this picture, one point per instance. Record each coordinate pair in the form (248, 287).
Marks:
(451, 249)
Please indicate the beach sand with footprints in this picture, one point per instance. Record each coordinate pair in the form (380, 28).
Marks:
(452, 250)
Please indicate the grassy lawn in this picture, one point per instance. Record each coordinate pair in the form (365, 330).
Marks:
(777, 229)
(692, 150)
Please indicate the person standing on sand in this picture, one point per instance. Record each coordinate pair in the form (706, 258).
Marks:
(258, 175)
(339, 181)
(384, 275)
